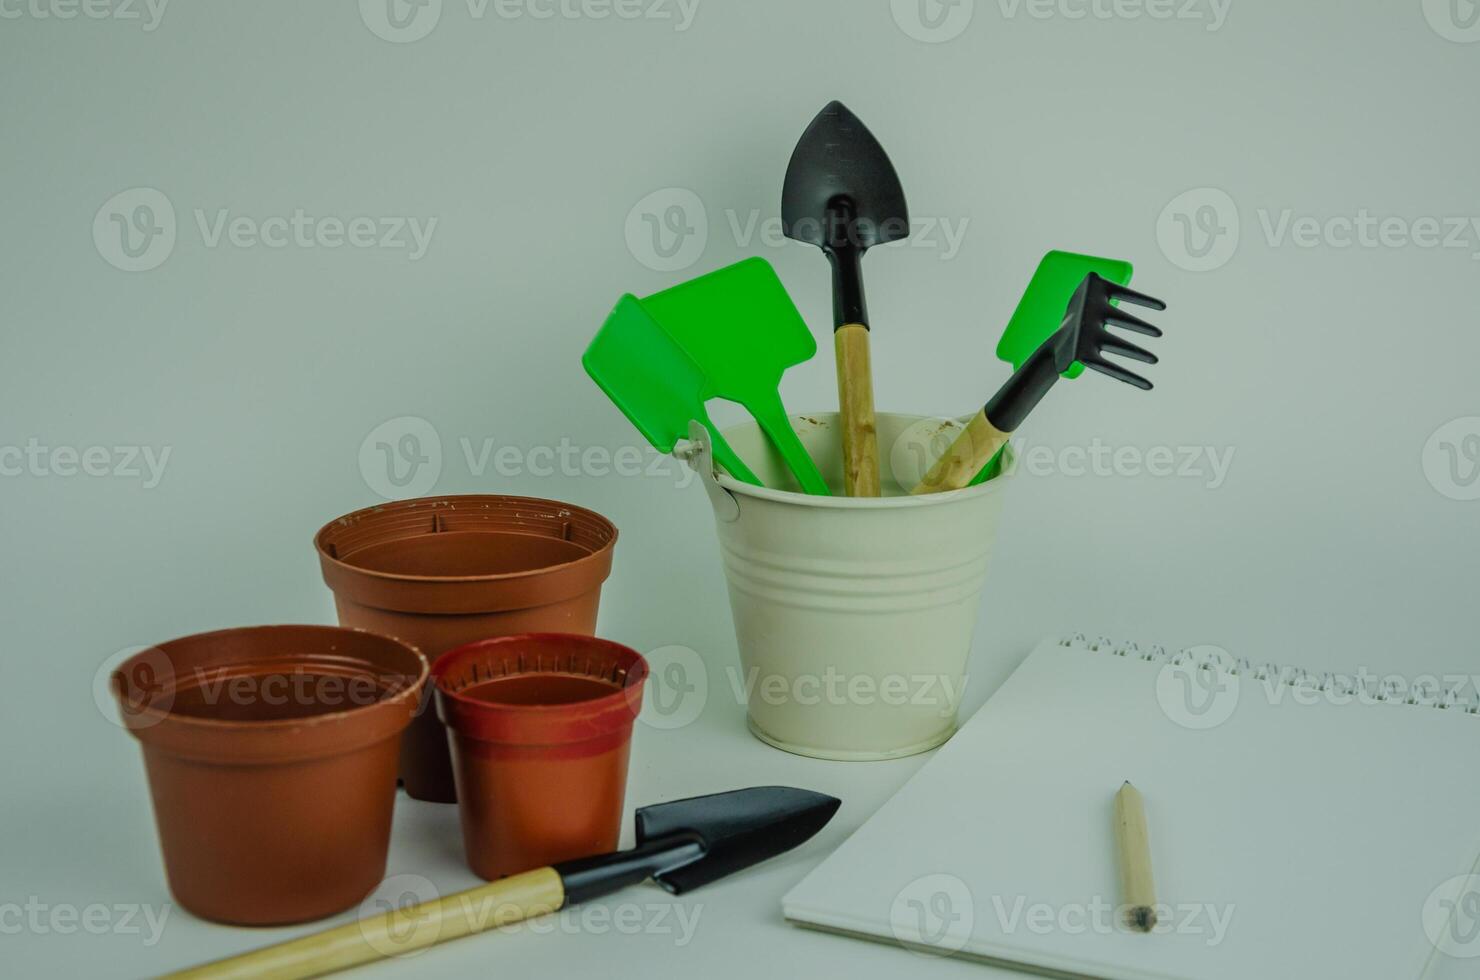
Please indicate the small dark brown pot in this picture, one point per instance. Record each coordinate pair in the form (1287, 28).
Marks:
(540, 728)
(441, 572)
(271, 754)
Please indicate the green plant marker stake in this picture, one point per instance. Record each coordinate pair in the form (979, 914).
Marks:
(741, 328)
(655, 384)
(1041, 312)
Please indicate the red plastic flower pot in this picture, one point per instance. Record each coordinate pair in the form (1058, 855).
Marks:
(440, 572)
(271, 754)
(540, 727)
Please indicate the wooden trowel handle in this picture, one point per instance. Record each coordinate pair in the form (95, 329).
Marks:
(397, 931)
(856, 407)
(973, 449)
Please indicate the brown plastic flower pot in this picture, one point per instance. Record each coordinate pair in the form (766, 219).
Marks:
(441, 572)
(540, 728)
(271, 753)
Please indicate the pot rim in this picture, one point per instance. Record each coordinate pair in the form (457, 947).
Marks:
(618, 703)
(152, 715)
(636, 674)
(432, 503)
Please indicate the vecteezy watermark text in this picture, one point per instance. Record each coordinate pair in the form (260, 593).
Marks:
(1200, 230)
(404, 21)
(137, 229)
(147, 685)
(1213, 14)
(669, 229)
(397, 919)
(41, 461)
(677, 690)
(1102, 918)
(1363, 229)
(939, 21)
(926, 441)
(40, 918)
(302, 230)
(937, 914)
(1099, 459)
(837, 688)
(403, 457)
(941, 235)
(1201, 687)
(148, 13)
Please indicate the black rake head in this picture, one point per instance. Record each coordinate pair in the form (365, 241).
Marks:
(1085, 336)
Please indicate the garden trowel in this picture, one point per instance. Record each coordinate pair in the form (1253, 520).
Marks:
(843, 195)
(680, 845)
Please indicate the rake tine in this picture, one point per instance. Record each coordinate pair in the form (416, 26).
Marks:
(1115, 345)
(1128, 294)
(1118, 373)
(1130, 321)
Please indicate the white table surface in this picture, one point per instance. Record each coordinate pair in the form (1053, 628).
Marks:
(733, 928)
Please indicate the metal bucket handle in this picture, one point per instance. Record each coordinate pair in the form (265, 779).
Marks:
(698, 453)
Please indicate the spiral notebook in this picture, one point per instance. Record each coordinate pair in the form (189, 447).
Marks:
(1301, 826)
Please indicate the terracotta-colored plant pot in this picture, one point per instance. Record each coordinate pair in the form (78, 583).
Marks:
(271, 754)
(540, 728)
(444, 571)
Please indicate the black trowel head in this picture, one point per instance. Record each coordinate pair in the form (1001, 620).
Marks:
(739, 829)
(839, 159)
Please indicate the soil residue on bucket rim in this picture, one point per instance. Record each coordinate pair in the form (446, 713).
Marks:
(895, 495)
(484, 513)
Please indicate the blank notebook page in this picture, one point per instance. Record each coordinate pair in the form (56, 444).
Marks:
(1316, 831)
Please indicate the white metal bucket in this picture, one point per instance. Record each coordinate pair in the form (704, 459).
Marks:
(853, 615)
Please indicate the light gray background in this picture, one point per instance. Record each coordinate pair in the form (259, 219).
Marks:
(1335, 540)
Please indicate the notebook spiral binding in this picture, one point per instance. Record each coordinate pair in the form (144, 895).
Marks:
(1430, 692)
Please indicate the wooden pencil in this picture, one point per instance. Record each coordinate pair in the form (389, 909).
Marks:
(1137, 887)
